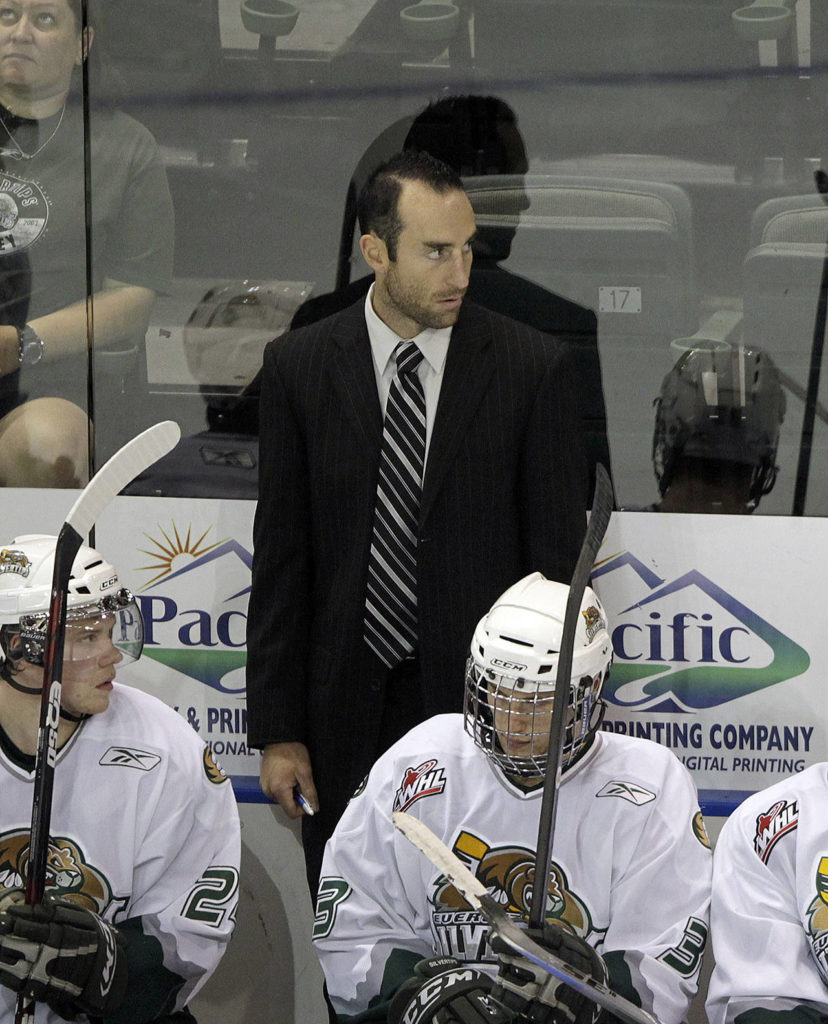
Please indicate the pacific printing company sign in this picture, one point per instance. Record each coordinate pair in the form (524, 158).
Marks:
(710, 655)
(189, 564)
(710, 646)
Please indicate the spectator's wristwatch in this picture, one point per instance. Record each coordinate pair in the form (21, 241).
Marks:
(30, 346)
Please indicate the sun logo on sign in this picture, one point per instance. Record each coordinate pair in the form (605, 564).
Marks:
(174, 553)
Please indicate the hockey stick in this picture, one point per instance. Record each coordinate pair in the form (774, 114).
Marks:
(815, 367)
(507, 929)
(112, 477)
(602, 503)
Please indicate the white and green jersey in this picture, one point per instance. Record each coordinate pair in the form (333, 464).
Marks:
(144, 832)
(770, 904)
(630, 867)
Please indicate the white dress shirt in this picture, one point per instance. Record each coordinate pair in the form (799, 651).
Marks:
(432, 342)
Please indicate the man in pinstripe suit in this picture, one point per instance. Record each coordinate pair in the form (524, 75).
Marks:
(504, 493)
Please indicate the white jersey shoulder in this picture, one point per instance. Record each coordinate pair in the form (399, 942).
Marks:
(770, 901)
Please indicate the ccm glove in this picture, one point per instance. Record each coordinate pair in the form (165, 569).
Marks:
(58, 953)
(537, 996)
(444, 991)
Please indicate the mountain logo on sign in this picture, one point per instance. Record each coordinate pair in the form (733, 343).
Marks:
(205, 643)
(688, 644)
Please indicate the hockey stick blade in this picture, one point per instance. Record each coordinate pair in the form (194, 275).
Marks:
(135, 456)
(507, 929)
(121, 469)
(599, 518)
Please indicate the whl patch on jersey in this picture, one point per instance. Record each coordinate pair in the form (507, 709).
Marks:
(130, 757)
(775, 822)
(426, 779)
(627, 791)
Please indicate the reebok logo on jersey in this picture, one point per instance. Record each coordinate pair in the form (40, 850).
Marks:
(130, 757)
(628, 791)
(774, 823)
(425, 780)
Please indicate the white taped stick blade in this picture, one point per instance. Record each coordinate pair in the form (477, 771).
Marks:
(122, 468)
(440, 856)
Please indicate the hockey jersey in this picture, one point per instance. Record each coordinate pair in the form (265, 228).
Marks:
(144, 830)
(630, 868)
(770, 904)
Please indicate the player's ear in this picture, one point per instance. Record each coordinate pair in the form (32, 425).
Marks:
(374, 252)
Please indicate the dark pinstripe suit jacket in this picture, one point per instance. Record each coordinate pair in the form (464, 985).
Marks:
(504, 494)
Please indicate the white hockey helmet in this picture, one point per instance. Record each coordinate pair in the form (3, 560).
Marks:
(26, 566)
(510, 676)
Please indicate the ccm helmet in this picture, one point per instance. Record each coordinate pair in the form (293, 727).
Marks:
(510, 676)
(723, 403)
(94, 592)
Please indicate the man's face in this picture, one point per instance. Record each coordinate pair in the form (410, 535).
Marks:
(424, 286)
(522, 720)
(89, 661)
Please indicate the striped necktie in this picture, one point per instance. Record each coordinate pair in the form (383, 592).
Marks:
(390, 625)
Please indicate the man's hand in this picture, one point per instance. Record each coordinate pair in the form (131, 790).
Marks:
(284, 766)
(58, 953)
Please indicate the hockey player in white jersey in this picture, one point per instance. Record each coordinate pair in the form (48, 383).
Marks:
(144, 844)
(629, 884)
(769, 913)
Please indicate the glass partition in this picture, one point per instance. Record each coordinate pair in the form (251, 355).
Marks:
(644, 172)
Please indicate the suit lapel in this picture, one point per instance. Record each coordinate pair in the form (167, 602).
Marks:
(469, 366)
(353, 378)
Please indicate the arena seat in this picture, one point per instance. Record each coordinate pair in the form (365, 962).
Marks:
(782, 274)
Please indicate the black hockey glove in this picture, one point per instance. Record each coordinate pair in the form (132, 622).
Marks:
(57, 952)
(445, 991)
(533, 994)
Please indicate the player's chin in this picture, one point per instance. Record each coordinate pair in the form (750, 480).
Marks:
(97, 700)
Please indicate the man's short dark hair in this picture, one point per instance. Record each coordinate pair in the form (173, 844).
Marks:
(377, 206)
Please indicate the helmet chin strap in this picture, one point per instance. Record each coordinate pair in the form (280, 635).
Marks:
(36, 692)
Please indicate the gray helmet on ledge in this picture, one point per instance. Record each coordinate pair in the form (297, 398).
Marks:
(722, 403)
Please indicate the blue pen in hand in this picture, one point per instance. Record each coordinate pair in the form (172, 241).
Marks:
(301, 801)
